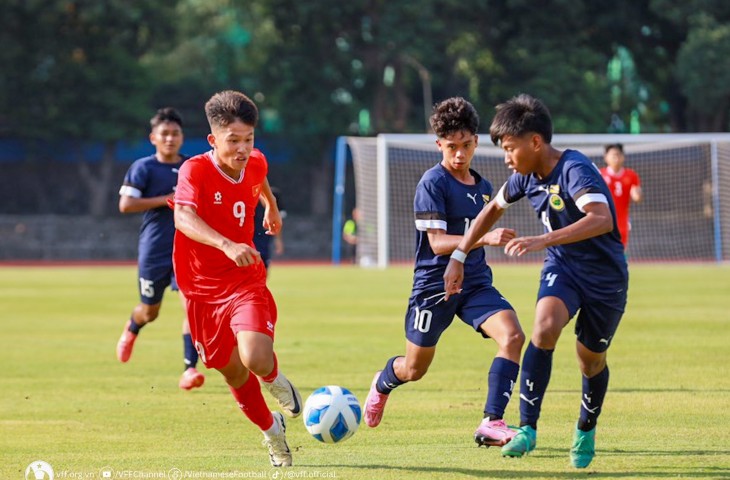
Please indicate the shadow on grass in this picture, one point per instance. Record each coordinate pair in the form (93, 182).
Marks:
(563, 452)
(592, 473)
(709, 472)
(577, 390)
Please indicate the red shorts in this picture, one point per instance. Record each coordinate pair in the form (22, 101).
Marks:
(213, 327)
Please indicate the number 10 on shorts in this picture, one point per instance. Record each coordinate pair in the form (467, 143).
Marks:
(422, 320)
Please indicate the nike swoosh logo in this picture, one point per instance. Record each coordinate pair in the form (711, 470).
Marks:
(297, 407)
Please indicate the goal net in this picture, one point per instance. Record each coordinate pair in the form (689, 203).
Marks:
(685, 214)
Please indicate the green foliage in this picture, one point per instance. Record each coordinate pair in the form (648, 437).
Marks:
(702, 68)
(76, 72)
(95, 70)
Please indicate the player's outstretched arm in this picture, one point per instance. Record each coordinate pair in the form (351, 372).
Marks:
(598, 220)
(129, 204)
(192, 226)
(272, 217)
(454, 274)
(443, 243)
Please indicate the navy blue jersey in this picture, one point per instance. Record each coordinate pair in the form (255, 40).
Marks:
(443, 202)
(596, 264)
(148, 177)
(261, 240)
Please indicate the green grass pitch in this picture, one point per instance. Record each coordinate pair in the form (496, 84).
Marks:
(65, 399)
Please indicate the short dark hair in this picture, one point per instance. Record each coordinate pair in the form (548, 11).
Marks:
(520, 115)
(227, 106)
(454, 115)
(617, 146)
(166, 114)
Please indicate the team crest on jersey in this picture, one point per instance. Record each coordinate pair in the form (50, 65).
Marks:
(218, 198)
(485, 197)
(554, 189)
(256, 190)
(556, 203)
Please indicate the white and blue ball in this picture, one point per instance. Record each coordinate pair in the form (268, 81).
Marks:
(332, 414)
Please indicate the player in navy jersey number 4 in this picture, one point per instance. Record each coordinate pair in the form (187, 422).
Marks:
(448, 198)
(584, 270)
(148, 184)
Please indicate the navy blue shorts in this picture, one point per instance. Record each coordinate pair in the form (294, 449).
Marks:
(152, 282)
(428, 315)
(598, 318)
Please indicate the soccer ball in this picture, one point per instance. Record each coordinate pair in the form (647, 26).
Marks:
(332, 414)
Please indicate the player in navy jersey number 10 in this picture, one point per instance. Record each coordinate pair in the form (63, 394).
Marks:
(448, 198)
(148, 185)
(584, 269)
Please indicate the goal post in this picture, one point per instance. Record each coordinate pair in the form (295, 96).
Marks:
(685, 214)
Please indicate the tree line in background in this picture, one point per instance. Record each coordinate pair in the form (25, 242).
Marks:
(95, 70)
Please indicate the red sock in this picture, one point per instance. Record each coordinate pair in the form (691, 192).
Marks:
(252, 403)
(274, 372)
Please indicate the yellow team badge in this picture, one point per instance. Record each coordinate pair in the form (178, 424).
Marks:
(556, 203)
(485, 198)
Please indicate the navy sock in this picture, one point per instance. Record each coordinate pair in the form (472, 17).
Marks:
(536, 367)
(501, 381)
(191, 355)
(594, 391)
(133, 327)
(388, 381)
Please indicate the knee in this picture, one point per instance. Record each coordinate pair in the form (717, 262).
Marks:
(545, 334)
(150, 318)
(516, 340)
(235, 378)
(414, 373)
(148, 315)
(591, 368)
(258, 363)
(512, 342)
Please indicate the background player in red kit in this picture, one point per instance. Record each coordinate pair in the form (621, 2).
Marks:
(625, 186)
(231, 312)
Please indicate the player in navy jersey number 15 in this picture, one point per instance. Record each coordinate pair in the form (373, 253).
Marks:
(148, 184)
(584, 269)
(448, 198)
(264, 240)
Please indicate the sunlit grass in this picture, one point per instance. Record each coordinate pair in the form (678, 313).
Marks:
(67, 401)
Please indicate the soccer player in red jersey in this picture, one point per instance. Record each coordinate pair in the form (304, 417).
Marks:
(624, 185)
(231, 312)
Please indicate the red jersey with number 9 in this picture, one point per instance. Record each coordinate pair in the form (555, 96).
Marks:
(205, 273)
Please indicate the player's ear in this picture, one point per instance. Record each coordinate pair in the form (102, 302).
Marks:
(211, 140)
(536, 141)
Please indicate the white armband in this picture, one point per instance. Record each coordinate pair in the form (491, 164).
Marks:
(459, 256)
